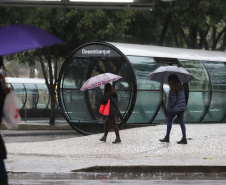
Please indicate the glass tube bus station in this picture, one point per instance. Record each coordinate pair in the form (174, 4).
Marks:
(31, 93)
(141, 101)
(33, 96)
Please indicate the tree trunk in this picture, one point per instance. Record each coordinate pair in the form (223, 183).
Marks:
(53, 105)
(178, 26)
(174, 34)
(52, 93)
(32, 71)
(223, 31)
(164, 30)
(223, 46)
(206, 45)
(51, 88)
(214, 38)
(193, 37)
(203, 39)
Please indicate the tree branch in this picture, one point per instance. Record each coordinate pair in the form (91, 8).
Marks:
(164, 30)
(218, 37)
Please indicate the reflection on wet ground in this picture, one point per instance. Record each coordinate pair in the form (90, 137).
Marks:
(20, 139)
(117, 178)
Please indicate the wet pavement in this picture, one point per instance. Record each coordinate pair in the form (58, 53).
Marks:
(20, 136)
(118, 178)
(140, 157)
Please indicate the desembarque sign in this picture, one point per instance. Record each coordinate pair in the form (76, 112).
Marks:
(96, 51)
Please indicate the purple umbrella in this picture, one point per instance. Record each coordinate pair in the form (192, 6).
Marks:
(21, 37)
(99, 80)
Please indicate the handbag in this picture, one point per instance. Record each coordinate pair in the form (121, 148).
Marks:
(11, 116)
(104, 108)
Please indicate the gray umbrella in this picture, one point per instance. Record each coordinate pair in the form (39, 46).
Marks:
(162, 73)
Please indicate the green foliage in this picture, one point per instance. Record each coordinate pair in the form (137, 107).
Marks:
(195, 21)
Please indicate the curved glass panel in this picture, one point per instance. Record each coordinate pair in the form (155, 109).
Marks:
(75, 109)
(43, 99)
(73, 79)
(81, 108)
(161, 116)
(125, 88)
(162, 113)
(32, 96)
(198, 103)
(196, 68)
(148, 92)
(217, 73)
(199, 91)
(20, 93)
(217, 109)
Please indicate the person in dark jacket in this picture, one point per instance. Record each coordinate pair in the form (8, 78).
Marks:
(176, 107)
(109, 92)
(3, 174)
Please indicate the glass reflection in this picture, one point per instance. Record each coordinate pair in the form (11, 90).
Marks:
(146, 105)
(76, 73)
(217, 72)
(196, 68)
(199, 91)
(197, 105)
(44, 98)
(75, 109)
(32, 96)
(148, 92)
(217, 109)
(20, 93)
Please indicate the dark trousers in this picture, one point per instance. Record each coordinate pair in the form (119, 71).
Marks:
(111, 120)
(180, 117)
(3, 174)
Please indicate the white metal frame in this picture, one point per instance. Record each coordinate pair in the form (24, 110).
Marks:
(169, 52)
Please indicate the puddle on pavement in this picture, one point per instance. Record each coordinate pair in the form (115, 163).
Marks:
(118, 176)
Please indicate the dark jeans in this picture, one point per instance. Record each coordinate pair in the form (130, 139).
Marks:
(3, 174)
(111, 120)
(180, 117)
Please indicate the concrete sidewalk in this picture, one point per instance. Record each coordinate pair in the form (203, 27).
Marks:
(140, 151)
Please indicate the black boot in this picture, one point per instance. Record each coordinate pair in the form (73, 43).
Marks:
(182, 141)
(165, 139)
(103, 138)
(117, 140)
